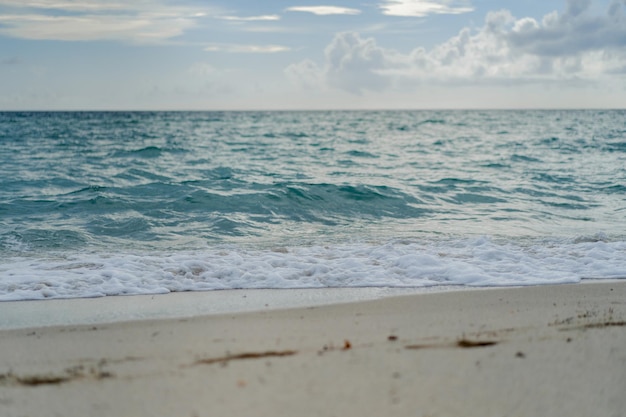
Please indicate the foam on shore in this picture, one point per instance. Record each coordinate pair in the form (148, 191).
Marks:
(429, 262)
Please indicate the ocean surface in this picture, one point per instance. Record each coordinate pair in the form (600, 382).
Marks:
(112, 203)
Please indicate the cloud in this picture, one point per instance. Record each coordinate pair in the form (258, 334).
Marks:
(69, 5)
(353, 62)
(573, 32)
(421, 8)
(306, 74)
(324, 10)
(247, 49)
(269, 17)
(136, 21)
(572, 47)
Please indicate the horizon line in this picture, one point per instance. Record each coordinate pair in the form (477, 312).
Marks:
(164, 110)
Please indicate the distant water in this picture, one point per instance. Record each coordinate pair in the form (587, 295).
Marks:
(108, 203)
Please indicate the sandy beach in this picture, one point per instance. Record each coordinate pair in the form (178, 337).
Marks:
(535, 351)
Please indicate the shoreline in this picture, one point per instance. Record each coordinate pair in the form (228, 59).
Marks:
(177, 305)
(524, 351)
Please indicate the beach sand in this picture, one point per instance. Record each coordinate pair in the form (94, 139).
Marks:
(535, 351)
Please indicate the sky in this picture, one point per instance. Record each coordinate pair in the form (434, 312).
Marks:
(303, 54)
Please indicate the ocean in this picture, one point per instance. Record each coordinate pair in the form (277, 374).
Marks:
(112, 203)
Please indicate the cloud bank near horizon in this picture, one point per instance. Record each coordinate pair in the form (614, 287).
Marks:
(574, 46)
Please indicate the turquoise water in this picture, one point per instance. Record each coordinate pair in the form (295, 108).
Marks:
(106, 203)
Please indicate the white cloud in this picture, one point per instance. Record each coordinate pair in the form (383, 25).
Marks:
(306, 74)
(353, 62)
(137, 21)
(269, 17)
(572, 47)
(70, 5)
(247, 49)
(324, 10)
(421, 8)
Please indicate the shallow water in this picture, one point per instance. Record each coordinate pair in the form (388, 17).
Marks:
(111, 203)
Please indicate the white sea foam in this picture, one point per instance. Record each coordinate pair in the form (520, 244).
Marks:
(472, 262)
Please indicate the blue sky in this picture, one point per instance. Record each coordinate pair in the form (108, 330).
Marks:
(302, 54)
